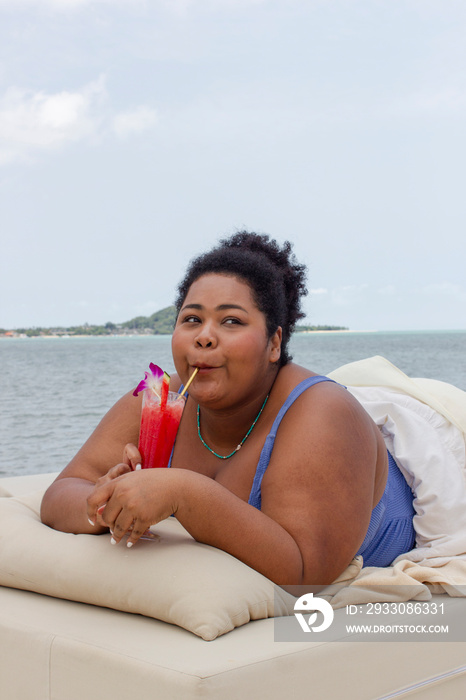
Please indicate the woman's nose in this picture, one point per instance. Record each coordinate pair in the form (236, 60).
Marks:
(206, 337)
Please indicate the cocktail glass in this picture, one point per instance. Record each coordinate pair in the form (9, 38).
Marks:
(159, 425)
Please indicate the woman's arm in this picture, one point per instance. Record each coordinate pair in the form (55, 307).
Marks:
(209, 511)
(317, 496)
(334, 455)
(64, 506)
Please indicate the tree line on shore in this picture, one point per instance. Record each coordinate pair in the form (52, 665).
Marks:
(159, 323)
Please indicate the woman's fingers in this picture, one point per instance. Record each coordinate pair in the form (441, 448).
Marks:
(120, 527)
(133, 502)
(124, 524)
(113, 473)
(107, 505)
(132, 456)
(138, 530)
(98, 499)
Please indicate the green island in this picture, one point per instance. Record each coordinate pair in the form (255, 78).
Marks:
(159, 323)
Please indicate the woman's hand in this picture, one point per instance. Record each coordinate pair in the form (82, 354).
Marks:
(112, 473)
(131, 462)
(130, 502)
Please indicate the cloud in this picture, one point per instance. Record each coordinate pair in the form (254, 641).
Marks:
(135, 121)
(36, 121)
(318, 291)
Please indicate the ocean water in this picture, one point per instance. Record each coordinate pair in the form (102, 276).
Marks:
(54, 391)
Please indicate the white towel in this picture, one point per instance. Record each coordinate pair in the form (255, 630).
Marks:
(423, 423)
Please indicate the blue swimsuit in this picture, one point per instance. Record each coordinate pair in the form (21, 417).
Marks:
(391, 531)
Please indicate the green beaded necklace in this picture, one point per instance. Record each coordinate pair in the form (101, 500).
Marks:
(238, 447)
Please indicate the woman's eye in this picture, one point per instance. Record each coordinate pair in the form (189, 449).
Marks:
(191, 319)
(232, 321)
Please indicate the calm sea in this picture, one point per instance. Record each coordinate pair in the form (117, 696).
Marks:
(53, 392)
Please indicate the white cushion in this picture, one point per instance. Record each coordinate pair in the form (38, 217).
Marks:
(173, 578)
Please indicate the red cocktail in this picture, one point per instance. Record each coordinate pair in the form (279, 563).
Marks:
(159, 425)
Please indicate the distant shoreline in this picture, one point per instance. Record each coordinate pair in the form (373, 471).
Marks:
(342, 330)
(345, 331)
(68, 336)
(145, 335)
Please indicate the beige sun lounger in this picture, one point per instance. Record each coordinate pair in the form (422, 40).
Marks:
(54, 649)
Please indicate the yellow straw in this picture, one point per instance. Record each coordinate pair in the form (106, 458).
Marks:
(196, 370)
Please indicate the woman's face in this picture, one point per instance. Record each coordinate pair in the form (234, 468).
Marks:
(220, 330)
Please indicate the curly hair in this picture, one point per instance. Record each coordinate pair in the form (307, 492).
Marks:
(275, 277)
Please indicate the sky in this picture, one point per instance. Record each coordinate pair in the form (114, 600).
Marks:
(135, 134)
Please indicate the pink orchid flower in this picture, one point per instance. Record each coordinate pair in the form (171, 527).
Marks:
(152, 380)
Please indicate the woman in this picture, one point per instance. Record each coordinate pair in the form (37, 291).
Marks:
(305, 492)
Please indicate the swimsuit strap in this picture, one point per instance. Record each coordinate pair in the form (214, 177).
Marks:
(255, 495)
(264, 459)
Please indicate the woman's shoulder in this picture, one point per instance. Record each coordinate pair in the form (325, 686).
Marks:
(325, 421)
(292, 375)
(329, 395)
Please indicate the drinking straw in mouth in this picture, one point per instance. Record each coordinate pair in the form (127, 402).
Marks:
(196, 370)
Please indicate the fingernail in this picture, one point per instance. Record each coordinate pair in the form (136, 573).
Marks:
(112, 541)
(138, 466)
(91, 522)
(129, 544)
